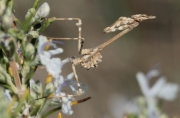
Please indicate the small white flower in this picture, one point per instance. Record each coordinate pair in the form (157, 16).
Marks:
(161, 88)
(66, 102)
(43, 43)
(53, 65)
(150, 98)
(66, 108)
(66, 105)
(43, 10)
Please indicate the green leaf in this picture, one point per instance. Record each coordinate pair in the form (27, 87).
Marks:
(51, 111)
(10, 5)
(27, 22)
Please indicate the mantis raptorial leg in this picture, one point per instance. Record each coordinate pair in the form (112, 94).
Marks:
(80, 39)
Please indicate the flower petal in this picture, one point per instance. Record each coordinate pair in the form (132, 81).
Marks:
(53, 66)
(158, 86)
(55, 51)
(169, 92)
(70, 76)
(44, 58)
(42, 41)
(142, 80)
(152, 73)
(66, 108)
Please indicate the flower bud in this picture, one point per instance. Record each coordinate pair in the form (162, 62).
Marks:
(25, 70)
(7, 21)
(43, 10)
(33, 34)
(37, 88)
(29, 51)
(49, 89)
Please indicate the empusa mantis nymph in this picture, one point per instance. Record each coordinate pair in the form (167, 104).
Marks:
(91, 57)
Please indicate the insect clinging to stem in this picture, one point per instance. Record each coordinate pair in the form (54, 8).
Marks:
(91, 57)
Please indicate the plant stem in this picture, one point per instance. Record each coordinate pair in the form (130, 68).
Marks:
(36, 4)
(16, 77)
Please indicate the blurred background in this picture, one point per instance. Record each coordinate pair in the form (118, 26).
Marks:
(153, 41)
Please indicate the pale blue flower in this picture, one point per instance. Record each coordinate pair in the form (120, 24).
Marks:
(71, 83)
(66, 99)
(53, 65)
(149, 95)
(161, 89)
